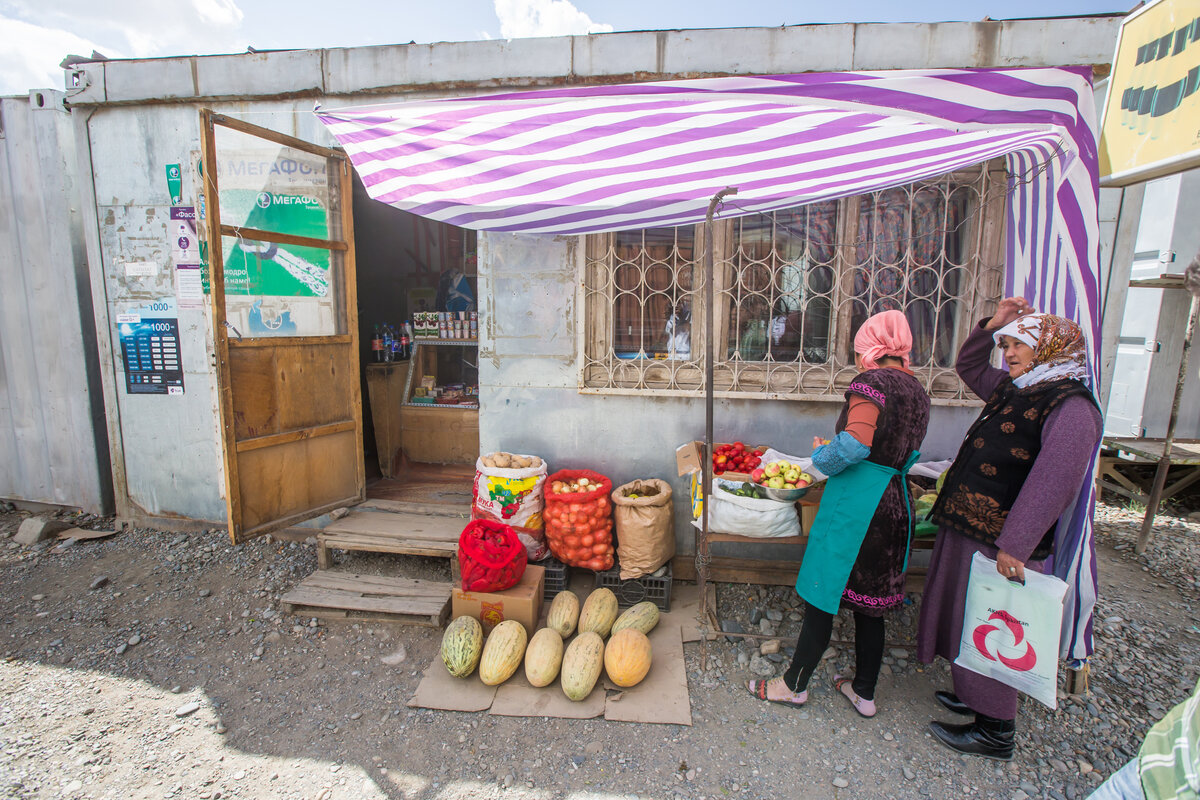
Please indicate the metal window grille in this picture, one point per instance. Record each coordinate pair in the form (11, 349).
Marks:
(791, 289)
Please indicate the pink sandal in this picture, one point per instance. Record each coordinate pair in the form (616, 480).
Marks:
(865, 708)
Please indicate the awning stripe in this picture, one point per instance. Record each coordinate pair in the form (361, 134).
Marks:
(575, 160)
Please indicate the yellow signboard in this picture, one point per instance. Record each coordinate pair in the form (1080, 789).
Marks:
(1151, 121)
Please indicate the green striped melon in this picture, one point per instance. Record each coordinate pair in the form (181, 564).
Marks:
(642, 617)
(581, 665)
(599, 612)
(543, 657)
(462, 644)
(502, 652)
(564, 613)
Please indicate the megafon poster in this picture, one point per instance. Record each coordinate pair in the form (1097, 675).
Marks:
(1152, 109)
(283, 192)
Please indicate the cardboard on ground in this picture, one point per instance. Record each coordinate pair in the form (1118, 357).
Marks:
(662, 697)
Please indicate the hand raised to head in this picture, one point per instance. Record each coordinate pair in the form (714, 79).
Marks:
(1010, 308)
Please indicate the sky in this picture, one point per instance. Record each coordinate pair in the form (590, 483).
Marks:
(35, 35)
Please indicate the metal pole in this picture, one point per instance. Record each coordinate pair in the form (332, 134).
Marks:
(1164, 463)
(702, 545)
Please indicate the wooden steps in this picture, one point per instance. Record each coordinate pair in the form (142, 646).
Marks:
(391, 532)
(347, 595)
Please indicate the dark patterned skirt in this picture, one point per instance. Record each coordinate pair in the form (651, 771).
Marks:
(876, 582)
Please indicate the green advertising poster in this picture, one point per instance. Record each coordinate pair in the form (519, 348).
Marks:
(283, 195)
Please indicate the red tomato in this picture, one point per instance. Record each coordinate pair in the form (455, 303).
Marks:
(738, 446)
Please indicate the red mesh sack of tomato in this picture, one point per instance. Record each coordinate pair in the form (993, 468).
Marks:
(490, 556)
(578, 518)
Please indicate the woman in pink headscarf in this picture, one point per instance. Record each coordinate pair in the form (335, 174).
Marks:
(858, 545)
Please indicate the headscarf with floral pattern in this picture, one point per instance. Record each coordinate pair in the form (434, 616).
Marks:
(1059, 349)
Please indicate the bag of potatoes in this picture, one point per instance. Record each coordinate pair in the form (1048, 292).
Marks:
(508, 489)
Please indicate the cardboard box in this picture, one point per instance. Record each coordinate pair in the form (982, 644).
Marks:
(689, 458)
(522, 602)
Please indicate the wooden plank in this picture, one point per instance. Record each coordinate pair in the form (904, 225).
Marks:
(353, 541)
(419, 525)
(274, 439)
(277, 390)
(274, 136)
(295, 481)
(259, 235)
(379, 584)
(303, 595)
(319, 612)
(277, 342)
(435, 435)
(733, 537)
(348, 312)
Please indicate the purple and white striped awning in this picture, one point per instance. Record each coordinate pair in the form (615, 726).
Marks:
(589, 159)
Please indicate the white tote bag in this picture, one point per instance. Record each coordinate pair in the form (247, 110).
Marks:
(749, 516)
(1010, 632)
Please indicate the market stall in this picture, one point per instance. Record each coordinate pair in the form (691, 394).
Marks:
(573, 160)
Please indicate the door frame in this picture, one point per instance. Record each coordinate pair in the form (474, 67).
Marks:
(227, 350)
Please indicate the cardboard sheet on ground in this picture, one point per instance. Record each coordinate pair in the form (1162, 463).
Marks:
(83, 533)
(516, 698)
(662, 697)
(439, 689)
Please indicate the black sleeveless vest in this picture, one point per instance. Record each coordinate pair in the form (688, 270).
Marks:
(996, 457)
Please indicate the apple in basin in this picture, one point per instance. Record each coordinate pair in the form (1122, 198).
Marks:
(757, 475)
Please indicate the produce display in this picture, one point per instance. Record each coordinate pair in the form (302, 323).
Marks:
(547, 656)
(543, 657)
(502, 652)
(490, 556)
(462, 644)
(627, 657)
(563, 614)
(504, 460)
(641, 617)
(781, 475)
(581, 665)
(599, 612)
(579, 523)
(736, 457)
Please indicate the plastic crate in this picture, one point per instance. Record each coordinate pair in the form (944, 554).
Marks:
(656, 589)
(558, 577)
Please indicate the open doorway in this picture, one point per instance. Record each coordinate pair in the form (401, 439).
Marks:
(417, 285)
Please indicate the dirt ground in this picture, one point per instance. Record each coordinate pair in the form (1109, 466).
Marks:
(160, 665)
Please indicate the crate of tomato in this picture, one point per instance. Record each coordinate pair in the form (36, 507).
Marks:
(730, 460)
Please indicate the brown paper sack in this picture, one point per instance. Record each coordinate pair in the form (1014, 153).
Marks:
(645, 526)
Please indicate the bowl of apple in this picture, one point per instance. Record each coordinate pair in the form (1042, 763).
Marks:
(782, 480)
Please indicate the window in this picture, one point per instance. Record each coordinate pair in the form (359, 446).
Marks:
(792, 287)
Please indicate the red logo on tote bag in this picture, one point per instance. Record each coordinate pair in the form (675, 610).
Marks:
(980, 636)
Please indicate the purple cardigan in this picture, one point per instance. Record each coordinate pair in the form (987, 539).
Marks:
(1069, 439)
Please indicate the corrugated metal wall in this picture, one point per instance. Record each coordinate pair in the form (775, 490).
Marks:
(53, 447)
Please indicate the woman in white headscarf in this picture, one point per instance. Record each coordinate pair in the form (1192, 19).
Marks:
(1020, 465)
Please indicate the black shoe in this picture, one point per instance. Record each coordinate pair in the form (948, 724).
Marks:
(951, 703)
(986, 736)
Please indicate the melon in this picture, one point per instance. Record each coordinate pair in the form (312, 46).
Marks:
(581, 665)
(462, 644)
(599, 612)
(563, 613)
(502, 652)
(543, 657)
(642, 617)
(627, 657)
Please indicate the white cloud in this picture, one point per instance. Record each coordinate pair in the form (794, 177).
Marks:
(524, 18)
(43, 35)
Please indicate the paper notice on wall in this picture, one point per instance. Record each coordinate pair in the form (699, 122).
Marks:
(140, 269)
(189, 288)
(182, 235)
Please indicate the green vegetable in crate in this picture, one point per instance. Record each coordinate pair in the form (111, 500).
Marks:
(462, 644)
(642, 617)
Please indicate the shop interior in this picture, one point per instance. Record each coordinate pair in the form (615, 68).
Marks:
(417, 285)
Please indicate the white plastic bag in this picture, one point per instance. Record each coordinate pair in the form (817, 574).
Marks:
(805, 463)
(1010, 632)
(748, 516)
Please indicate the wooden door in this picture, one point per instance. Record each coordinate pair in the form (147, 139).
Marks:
(281, 255)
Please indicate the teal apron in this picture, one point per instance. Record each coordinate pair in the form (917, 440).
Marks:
(837, 534)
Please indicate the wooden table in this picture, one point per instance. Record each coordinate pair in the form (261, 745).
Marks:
(1116, 451)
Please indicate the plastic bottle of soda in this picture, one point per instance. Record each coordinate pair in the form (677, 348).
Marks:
(405, 342)
(387, 343)
(377, 344)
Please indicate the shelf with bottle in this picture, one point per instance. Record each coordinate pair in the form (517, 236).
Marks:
(442, 375)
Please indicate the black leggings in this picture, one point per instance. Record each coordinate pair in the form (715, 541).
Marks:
(814, 639)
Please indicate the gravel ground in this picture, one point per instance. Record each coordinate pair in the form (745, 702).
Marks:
(159, 665)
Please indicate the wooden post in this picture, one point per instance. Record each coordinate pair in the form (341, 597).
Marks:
(1164, 463)
(702, 545)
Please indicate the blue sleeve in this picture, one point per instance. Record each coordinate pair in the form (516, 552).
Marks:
(843, 451)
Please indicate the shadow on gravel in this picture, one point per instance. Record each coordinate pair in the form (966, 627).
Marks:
(156, 664)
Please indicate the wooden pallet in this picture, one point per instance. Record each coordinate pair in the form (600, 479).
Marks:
(407, 534)
(380, 598)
